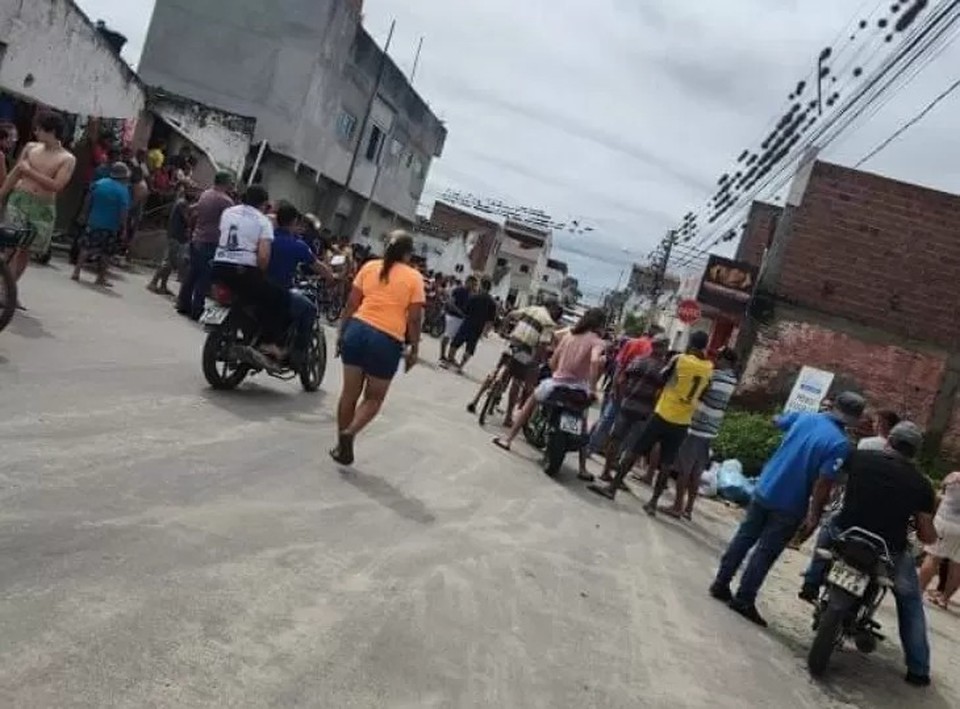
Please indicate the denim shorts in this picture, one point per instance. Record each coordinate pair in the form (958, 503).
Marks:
(370, 349)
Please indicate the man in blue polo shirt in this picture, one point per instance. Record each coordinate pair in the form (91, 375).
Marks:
(807, 462)
(287, 253)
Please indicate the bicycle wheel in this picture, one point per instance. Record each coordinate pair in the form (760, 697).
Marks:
(8, 294)
(494, 394)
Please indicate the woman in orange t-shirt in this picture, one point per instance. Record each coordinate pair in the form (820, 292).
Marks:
(384, 310)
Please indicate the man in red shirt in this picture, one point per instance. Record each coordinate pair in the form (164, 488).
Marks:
(630, 350)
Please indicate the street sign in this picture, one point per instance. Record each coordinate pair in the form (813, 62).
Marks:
(688, 311)
(809, 391)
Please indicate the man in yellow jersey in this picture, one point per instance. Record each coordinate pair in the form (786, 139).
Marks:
(686, 378)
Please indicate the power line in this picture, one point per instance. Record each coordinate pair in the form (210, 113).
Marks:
(947, 16)
(912, 122)
(906, 48)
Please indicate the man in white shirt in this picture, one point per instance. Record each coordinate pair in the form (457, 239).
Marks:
(241, 262)
(883, 423)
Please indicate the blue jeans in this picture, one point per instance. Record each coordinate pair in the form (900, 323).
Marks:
(911, 617)
(767, 532)
(194, 288)
(601, 431)
(303, 312)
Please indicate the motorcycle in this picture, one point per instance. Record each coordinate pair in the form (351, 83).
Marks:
(860, 575)
(564, 426)
(11, 239)
(230, 353)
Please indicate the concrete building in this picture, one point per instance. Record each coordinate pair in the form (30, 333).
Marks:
(52, 54)
(551, 285)
(522, 258)
(222, 139)
(307, 71)
(860, 279)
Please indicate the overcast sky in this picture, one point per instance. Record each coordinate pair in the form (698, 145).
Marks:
(625, 112)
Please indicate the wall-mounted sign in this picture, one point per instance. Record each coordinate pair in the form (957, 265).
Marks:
(727, 285)
(809, 390)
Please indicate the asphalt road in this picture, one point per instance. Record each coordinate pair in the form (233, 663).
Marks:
(162, 545)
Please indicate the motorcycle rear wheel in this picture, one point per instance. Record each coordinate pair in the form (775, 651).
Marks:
(219, 373)
(555, 453)
(829, 633)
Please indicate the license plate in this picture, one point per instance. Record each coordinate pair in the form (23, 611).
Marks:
(850, 580)
(570, 423)
(214, 315)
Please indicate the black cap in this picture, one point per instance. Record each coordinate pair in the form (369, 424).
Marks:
(698, 340)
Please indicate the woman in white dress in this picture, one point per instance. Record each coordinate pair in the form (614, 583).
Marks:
(947, 522)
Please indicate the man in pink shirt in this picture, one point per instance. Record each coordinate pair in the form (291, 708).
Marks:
(576, 364)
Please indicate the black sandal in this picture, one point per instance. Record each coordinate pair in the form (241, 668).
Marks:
(500, 443)
(343, 453)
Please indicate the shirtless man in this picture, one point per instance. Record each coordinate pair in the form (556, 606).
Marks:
(44, 169)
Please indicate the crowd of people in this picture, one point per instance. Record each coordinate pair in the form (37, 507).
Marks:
(666, 408)
(658, 407)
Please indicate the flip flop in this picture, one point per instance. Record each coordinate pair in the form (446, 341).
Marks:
(670, 512)
(587, 477)
(602, 490)
(501, 444)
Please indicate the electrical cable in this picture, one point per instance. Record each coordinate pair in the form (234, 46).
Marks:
(912, 43)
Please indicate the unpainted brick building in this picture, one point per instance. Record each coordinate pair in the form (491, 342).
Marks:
(861, 278)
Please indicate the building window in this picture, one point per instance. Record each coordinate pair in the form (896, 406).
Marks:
(374, 144)
(524, 269)
(346, 125)
(501, 262)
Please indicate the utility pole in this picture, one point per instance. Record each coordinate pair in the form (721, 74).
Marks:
(416, 61)
(343, 189)
(660, 268)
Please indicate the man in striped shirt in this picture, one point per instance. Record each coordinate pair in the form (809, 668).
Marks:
(694, 455)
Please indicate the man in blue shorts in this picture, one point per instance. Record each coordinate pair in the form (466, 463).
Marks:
(479, 315)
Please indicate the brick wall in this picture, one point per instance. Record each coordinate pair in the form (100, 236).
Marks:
(881, 252)
(889, 376)
(758, 234)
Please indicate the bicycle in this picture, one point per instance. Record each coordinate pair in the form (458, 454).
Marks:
(495, 393)
(11, 239)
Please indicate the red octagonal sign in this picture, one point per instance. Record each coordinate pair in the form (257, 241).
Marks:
(688, 311)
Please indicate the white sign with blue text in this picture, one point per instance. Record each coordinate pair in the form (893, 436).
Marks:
(809, 390)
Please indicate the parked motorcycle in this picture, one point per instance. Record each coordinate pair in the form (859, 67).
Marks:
(11, 239)
(860, 575)
(564, 426)
(230, 353)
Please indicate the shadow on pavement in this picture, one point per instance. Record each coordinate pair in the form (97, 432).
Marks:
(874, 680)
(102, 290)
(29, 327)
(255, 402)
(385, 494)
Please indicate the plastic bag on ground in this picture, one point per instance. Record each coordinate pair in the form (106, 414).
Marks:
(708, 481)
(732, 485)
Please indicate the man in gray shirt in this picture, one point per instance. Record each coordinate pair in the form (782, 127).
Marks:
(205, 221)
